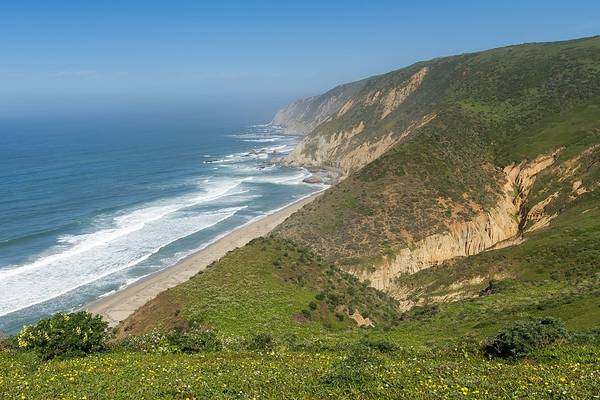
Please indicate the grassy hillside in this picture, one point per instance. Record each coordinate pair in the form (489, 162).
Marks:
(270, 286)
(491, 109)
(432, 352)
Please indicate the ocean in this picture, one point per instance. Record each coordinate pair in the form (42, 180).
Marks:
(89, 208)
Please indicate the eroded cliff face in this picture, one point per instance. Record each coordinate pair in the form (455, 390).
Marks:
(498, 227)
(340, 152)
(349, 149)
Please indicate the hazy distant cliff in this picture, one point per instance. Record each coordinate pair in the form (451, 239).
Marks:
(304, 115)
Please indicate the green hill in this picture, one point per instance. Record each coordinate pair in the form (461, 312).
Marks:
(514, 142)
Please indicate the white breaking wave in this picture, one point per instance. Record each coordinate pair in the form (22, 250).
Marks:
(125, 225)
(261, 140)
(282, 179)
(32, 286)
(125, 240)
(134, 237)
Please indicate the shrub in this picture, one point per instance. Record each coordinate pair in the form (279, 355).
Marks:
(8, 344)
(493, 287)
(421, 312)
(525, 336)
(71, 334)
(262, 341)
(359, 367)
(383, 346)
(184, 341)
(153, 342)
(312, 305)
(194, 341)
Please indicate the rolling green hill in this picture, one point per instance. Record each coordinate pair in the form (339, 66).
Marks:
(512, 142)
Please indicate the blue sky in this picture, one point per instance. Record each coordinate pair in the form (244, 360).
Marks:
(252, 48)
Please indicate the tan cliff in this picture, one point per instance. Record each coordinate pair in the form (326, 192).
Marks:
(496, 228)
(349, 149)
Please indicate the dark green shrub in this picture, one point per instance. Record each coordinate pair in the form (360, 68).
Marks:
(525, 336)
(8, 344)
(262, 341)
(421, 312)
(76, 333)
(493, 287)
(358, 368)
(383, 346)
(312, 305)
(155, 341)
(184, 341)
(195, 341)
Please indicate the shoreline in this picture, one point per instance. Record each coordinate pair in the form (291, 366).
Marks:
(119, 305)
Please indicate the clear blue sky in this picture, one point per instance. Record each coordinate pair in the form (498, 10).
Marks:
(253, 48)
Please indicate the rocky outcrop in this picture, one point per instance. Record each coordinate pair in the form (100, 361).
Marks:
(361, 321)
(501, 225)
(396, 96)
(340, 152)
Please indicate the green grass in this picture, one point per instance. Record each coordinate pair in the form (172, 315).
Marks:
(266, 286)
(562, 372)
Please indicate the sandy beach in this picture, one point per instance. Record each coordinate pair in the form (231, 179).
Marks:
(116, 307)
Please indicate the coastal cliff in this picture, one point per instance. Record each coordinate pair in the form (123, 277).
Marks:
(441, 160)
(499, 227)
(349, 131)
(304, 115)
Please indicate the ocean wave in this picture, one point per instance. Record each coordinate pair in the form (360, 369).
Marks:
(294, 179)
(126, 224)
(261, 140)
(30, 286)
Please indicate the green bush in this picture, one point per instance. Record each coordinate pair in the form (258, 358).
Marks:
(177, 341)
(360, 366)
(525, 336)
(194, 341)
(153, 342)
(8, 344)
(383, 346)
(262, 341)
(71, 334)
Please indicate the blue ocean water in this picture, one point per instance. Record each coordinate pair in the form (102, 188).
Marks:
(86, 209)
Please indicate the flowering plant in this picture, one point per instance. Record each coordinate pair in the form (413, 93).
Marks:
(64, 334)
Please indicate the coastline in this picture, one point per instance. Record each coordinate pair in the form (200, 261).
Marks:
(117, 306)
